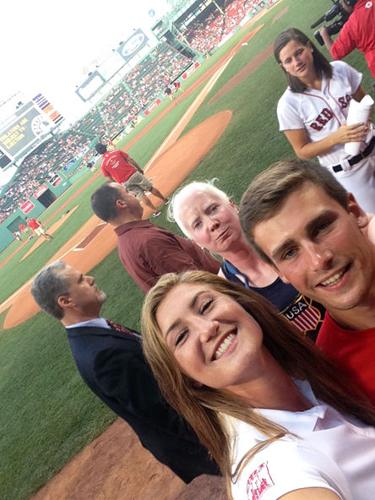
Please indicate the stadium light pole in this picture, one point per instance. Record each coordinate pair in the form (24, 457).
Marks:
(218, 8)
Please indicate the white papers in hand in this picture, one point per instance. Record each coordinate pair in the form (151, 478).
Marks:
(359, 112)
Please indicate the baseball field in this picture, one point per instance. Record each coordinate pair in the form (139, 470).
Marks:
(222, 124)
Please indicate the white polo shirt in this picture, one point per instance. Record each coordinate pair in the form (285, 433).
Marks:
(331, 451)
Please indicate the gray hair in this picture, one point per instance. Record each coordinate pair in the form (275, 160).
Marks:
(48, 285)
(182, 195)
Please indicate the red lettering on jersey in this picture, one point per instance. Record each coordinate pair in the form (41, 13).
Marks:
(344, 101)
(322, 119)
(315, 126)
(327, 113)
(258, 482)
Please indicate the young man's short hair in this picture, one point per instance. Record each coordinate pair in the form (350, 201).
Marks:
(269, 190)
(103, 202)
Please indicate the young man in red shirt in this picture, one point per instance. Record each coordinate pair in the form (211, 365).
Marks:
(121, 168)
(314, 233)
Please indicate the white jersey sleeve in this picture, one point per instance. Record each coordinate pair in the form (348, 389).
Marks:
(288, 112)
(342, 71)
(286, 466)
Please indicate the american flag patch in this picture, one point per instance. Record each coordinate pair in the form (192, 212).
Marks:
(303, 314)
(258, 482)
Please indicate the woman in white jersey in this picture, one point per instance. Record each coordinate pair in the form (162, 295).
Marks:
(274, 414)
(312, 114)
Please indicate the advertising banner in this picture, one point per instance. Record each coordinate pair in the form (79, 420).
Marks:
(132, 45)
(27, 206)
(90, 86)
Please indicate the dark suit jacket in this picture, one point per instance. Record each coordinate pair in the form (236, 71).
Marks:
(113, 366)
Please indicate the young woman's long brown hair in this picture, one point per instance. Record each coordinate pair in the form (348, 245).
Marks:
(321, 63)
(203, 406)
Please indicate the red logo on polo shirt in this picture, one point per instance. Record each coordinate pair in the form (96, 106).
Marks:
(258, 482)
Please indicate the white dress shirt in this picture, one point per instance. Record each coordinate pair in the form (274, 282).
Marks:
(99, 322)
(331, 451)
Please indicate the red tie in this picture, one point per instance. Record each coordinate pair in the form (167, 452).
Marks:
(119, 328)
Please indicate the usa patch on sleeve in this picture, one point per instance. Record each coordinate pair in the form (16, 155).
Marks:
(258, 482)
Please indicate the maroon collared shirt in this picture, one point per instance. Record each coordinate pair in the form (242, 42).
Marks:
(148, 251)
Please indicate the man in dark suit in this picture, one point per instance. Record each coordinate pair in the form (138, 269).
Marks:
(110, 360)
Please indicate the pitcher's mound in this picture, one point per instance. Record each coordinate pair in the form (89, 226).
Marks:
(170, 168)
(167, 173)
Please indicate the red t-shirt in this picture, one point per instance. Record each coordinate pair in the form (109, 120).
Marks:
(116, 166)
(352, 350)
(358, 33)
(33, 224)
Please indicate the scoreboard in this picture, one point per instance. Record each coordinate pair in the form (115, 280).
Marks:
(27, 128)
(4, 160)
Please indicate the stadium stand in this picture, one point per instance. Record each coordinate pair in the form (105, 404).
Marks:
(149, 78)
(144, 83)
(205, 32)
(140, 87)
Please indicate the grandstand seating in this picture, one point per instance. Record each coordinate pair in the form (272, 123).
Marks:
(146, 81)
(210, 27)
(121, 106)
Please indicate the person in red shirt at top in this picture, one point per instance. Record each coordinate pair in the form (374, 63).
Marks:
(357, 33)
(38, 229)
(121, 168)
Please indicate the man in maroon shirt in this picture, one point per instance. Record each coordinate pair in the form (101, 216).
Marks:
(121, 168)
(145, 250)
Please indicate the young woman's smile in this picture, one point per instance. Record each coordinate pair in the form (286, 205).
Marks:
(214, 340)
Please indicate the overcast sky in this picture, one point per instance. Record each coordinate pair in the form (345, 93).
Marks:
(49, 46)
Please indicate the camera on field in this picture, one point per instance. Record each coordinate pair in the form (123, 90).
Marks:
(336, 11)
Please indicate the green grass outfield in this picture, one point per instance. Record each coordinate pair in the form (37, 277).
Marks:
(47, 413)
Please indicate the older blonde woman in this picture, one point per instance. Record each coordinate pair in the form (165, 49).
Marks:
(208, 216)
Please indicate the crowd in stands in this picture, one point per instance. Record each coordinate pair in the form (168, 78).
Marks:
(213, 25)
(51, 156)
(146, 81)
(124, 103)
(149, 78)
